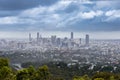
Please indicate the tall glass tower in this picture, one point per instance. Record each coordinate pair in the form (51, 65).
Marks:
(30, 38)
(87, 39)
(72, 36)
(38, 36)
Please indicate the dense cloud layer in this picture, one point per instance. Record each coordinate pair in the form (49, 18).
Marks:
(59, 15)
(23, 4)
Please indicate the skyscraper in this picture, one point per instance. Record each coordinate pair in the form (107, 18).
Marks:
(38, 36)
(72, 36)
(80, 40)
(53, 39)
(58, 41)
(30, 38)
(87, 40)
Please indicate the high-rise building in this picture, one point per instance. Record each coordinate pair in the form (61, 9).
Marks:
(58, 41)
(87, 40)
(72, 35)
(53, 39)
(30, 38)
(38, 36)
(80, 41)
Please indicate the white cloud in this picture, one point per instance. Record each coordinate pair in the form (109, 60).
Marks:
(91, 14)
(8, 20)
(78, 16)
(33, 12)
(46, 15)
(61, 5)
(45, 10)
(16, 20)
(87, 15)
(107, 4)
(112, 15)
(103, 4)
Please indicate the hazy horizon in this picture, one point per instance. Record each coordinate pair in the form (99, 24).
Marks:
(61, 34)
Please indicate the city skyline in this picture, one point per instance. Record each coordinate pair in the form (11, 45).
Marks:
(93, 35)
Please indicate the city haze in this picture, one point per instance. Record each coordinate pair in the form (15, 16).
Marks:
(61, 34)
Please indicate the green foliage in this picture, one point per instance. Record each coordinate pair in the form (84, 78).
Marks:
(42, 73)
(112, 78)
(98, 79)
(60, 70)
(86, 77)
(78, 78)
(22, 75)
(104, 75)
(3, 62)
(31, 72)
(26, 74)
(5, 71)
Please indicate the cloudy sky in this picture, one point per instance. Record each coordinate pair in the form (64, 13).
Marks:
(60, 15)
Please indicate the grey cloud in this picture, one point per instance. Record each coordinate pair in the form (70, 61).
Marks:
(71, 8)
(14, 7)
(59, 16)
(8, 13)
(23, 4)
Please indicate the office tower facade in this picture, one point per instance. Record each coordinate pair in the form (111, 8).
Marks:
(72, 35)
(30, 38)
(38, 36)
(58, 41)
(80, 40)
(87, 39)
(53, 39)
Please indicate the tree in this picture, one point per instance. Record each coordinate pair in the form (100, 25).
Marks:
(31, 72)
(22, 75)
(26, 74)
(43, 73)
(98, 79)
(104, 75)
(78, 78)
(3, 62)
(5, 71)
(86, 77)
(112, 78)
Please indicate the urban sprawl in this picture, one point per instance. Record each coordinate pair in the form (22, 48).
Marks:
(69, 50)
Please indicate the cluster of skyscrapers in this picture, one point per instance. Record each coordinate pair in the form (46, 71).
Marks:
(54, 41)
(46, 43)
